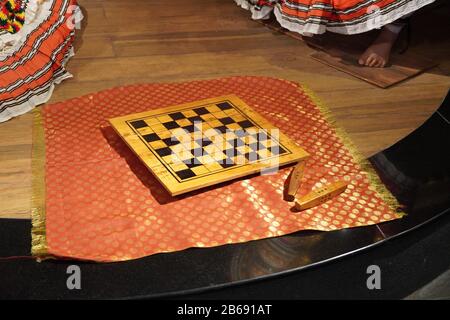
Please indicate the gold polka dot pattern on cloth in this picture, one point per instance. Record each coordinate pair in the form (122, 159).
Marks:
(102, 203)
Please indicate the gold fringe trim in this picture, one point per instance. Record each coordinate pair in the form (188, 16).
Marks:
(39, 247)
(365, 165)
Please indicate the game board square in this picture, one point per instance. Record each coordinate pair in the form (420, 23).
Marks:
(237, 117)
(192, 162)
(171, 141)
(230, 140)
(205, 126)
(227, 164)
(240, 133)
(188, 113)
(189, 128)
(204, 154)
(251, 139)
(185, 174)
(200, 111)
(150, 137)
(221, 129)
(158, 128)
(245, 124)
(177, 116)
(198, 127)
(164, 151)
(227, 145)
(164, 134)
(264, 153)
(242, 149)
(198, 141)
(213, 166)
(254, 146)
(205, 142)
(233, 113)
(214, 123)
(171, 125)
(230, 153)
(197, 152)
(213, 108)
(139, 124)
(145, 130)
(219, 156)
(179, 166)
(210, 148)
(207, 117)
(151, 121)
(210, 133)
(206, 159)
(196, 160)
(252, 156)
(233, 126)
(230, 134)
(220, 115)
(178, 133)
(164, 118)
(193, 165)
(275, 150)
(171, 159)
(196, 135)
(262, 135)
(195, 119)
(224, 106)
(226, 120)
(238, 142)
(237, 152)
(188, 161)
(240, 160)
(200, 170)
(183, 122)
(184, 155)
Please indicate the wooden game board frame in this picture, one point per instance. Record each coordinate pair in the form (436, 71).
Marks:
(163, 173)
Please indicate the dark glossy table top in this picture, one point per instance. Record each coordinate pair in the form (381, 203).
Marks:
(416, 170)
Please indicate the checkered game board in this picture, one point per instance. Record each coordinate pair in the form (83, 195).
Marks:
(198, 144)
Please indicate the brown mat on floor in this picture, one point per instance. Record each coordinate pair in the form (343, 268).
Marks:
(341, 52)
(402, 67)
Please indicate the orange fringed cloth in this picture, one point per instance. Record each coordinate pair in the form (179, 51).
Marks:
(94, 199)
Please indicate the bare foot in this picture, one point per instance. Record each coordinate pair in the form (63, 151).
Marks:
(377, 54)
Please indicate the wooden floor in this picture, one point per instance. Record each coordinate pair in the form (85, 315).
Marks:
(178, 40)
